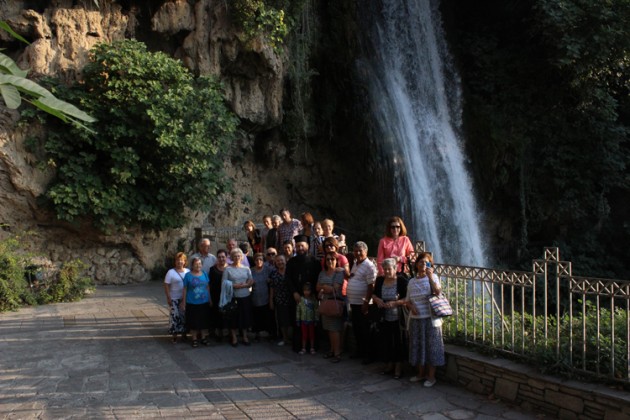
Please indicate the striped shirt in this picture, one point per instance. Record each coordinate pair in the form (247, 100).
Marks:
(418, 292)
(361, 276)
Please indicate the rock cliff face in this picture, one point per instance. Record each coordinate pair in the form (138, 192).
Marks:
(201, 35)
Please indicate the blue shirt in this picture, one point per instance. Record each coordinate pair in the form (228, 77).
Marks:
(197, 288)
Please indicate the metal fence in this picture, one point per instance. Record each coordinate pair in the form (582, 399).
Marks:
(562, 322)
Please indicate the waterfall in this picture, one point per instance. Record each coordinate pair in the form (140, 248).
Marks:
(416, 101)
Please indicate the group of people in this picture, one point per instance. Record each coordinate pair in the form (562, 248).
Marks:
(302, 282)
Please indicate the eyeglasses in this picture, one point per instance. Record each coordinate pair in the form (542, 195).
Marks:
(394, 227)
(271, 254)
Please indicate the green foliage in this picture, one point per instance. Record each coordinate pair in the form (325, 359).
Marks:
(13, 285)
(161, 139)
(15, 87)
(259, 18)
(580, 343)
(70, 284)
(548, 119)
(294, 24)
(22, 283)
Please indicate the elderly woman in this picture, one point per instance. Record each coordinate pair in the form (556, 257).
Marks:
(260, 295)
(280, 298)
(389, 295)
(216, 280)
(329, 286)
(174, 290)
(426, 347)
(395, 244)
(196, 302)
(241, 280)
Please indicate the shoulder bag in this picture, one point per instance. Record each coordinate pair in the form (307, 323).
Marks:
(440, 306)
(331, 307)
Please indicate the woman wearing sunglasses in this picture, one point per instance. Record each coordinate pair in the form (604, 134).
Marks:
(395, 244)
(426, 346)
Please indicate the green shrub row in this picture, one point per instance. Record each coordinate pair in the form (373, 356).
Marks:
(23, 283)
(593, 341)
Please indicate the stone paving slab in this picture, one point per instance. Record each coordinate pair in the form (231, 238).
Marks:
(107, 357)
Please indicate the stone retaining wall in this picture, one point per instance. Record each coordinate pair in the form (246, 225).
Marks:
(523, 385)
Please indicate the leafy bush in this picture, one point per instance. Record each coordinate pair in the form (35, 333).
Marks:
(13, 285)
(24, 283)
(70, 284)
(260, 19)
(582, 341)
(158, 145)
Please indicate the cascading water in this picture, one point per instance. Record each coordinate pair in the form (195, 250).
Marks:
(416, 103)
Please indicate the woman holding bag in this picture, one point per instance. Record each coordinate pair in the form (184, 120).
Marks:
(328, 287)
(174, 290)
(241, 280)
(426, 347)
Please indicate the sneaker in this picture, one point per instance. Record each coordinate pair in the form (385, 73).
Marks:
(429, 384)
(416, 379)
(280, 343)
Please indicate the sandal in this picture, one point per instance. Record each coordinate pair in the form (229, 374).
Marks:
(195, 343)
(329, 355)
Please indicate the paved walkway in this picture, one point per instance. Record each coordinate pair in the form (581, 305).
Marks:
(108, 357)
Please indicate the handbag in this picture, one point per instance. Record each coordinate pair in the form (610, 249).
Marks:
(440, 306)
(331, 307)
(230, 308)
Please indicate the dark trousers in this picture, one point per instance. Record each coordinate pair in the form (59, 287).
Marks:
(261, 319)
(392, 340)
(360, 328)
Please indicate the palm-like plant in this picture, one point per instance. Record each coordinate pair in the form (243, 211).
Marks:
(15, 88)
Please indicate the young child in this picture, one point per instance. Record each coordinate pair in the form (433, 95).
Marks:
(306, 318)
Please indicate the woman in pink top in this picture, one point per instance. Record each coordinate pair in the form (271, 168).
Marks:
(395, 244)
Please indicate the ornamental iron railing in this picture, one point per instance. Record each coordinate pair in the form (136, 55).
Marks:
(566, 323)
(561, 322)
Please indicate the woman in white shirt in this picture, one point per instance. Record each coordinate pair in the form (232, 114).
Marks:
(173, 288)
(426, 347)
